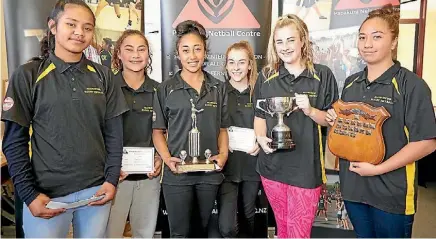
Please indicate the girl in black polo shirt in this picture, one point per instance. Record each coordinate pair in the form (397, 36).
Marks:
(173, 107)
(241, 179)
(74, 110)
(292, 179)
(137, 194)
(381, 199)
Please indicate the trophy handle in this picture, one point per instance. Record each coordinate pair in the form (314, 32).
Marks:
(295, 107)
(259, 107)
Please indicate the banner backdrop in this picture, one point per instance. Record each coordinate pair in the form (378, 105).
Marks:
(226, 22)
(334, 27)
(25, 26)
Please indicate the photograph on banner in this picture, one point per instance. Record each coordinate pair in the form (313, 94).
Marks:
(222, 20)
(337, 49)
(331, 212)
(113, 17)
(315, 13)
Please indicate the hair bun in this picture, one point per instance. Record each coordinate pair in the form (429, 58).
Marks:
(386, 11)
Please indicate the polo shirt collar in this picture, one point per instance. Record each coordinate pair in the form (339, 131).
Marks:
(146, 86)
(231, 89)
(385, 78)
(62, 66)
(209, 81)
(283, 72)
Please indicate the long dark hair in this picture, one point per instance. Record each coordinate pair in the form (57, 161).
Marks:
(47, 44)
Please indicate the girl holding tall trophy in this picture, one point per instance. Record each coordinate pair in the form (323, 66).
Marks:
(292, 95)
(241, 179)
(381, 198)
(190, 133)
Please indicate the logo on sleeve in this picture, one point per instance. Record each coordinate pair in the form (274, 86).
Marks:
(153, 118)
(8, 103)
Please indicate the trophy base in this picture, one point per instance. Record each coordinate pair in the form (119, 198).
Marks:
(288, 144)
(201, 166)
(282, 140)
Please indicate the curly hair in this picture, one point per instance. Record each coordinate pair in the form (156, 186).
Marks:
(116, 61)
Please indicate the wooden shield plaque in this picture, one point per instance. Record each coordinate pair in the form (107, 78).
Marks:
(356, 134)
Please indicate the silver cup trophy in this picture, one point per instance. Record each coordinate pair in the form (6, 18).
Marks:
(280, 134)
(196, 164)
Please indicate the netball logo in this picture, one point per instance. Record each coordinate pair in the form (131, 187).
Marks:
(216, 10)
(218, 14)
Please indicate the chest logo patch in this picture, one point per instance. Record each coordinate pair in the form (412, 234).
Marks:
(147, 109)
(8, 103)
(94, 90)
(382, 99)
(211, 104)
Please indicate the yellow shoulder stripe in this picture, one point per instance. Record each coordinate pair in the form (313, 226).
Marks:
(45, 72)
(316, 77)
(351, 83)
(90, 68)
(410, 179)
(271, 77)
(395, 83)
(321, 155)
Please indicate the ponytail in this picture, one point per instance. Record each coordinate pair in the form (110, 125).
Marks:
(47, 44)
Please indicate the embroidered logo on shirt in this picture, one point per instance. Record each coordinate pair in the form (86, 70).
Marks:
(8, 103)
(93, 91)
(147, 109)
(211, 104)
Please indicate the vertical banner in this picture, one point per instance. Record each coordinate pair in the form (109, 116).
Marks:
(334, 29)
(226, 22)
(25, 26)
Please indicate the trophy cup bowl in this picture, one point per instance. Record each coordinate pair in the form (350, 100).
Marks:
(280, 134)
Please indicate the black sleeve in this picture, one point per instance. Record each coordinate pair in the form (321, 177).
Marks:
(113, 140)
(115, 101)
(419, 112)
(225, 121)
(159, 102)
(16, 150)
(17, 105)
(328, 93)
(258, 96)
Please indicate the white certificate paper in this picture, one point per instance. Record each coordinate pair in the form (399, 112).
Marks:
(138, 160)
(241, 139)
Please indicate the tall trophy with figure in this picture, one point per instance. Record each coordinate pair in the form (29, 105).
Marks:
(195, 164)
(280, 134)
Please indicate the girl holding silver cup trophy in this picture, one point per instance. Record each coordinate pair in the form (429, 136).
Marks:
(292, 165)
(191, 95)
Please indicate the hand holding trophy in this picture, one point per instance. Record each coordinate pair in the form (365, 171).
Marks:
(280, 134)
(196, 164)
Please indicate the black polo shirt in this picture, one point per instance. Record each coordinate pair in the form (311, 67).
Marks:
(408, 99)
(66, 106)
(303, 166)
(240, 166)
(173, 113)
(137, 122)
